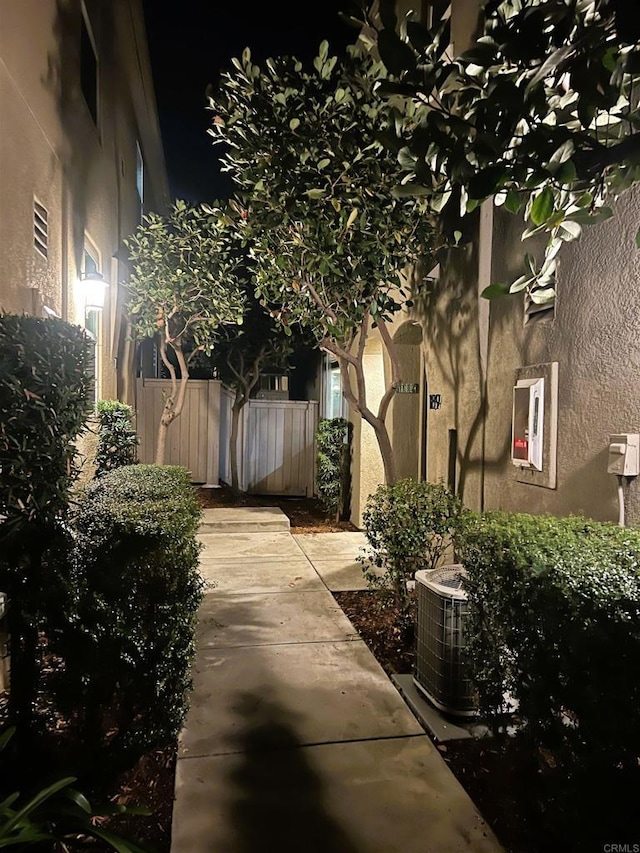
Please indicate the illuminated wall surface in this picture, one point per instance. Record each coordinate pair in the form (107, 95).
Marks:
(77, 110)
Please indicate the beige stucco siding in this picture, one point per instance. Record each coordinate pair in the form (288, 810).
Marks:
(595, 338)
(82, 172)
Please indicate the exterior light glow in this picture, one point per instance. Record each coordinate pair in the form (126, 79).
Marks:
(93, 287)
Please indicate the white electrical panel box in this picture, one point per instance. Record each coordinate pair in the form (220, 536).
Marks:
(528, 423)
(624, 455)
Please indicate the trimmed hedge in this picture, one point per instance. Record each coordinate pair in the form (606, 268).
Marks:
(117, 439)
(554, 619)
(134, 593)
(45, 397)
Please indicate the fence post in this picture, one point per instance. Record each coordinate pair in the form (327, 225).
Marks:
(213, 432)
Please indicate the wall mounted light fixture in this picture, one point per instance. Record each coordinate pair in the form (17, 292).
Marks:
(93, 287)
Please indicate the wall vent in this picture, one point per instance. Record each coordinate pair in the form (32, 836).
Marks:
(538, 310)
(41, 228)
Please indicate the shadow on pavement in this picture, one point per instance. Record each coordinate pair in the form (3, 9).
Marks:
(276, 798)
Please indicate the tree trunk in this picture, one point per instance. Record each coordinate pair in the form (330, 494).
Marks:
(358, 398)
(386, 450)
(175, 401)
(236, 409)
(246, 379)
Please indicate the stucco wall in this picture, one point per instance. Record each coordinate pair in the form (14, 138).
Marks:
(595, 338)
(449, 318)
(84, 174)
(29, 167)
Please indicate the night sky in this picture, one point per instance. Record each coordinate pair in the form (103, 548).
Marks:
(191, 41)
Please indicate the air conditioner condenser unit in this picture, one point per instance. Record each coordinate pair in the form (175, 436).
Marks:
(441, 672)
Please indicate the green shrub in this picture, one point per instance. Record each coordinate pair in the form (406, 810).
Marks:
(333, 459)
(554, 619)
(117, 439)
(409, 526)
(45, 391)
(134, 593)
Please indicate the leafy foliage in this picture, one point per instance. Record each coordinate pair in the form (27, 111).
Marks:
(539, 113)
(117, 439)
(134, 590)
(188, 268)
(44, 405)
(330, 243)
(56, 813)
(333, 464)
(45, 391)
(554, 606)
(409, 527)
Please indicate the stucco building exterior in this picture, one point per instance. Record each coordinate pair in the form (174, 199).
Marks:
(80, 160)
(466, 354)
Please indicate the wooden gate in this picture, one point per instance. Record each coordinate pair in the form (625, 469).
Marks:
(276, 438)
(278, 448)
(192, 440)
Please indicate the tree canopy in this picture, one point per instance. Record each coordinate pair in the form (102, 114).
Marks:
(539, 113)
(188, 270)
(330, 242)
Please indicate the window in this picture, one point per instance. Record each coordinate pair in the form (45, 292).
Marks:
(40, 229)
(140, 178)
(334, 403)
(88, 69)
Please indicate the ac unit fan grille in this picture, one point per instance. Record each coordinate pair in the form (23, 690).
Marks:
(441, 671)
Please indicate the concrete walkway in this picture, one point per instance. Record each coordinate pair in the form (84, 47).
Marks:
(296, 740)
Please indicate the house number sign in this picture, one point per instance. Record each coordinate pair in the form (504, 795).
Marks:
(407, 388)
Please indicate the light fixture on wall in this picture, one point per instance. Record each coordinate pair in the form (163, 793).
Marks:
(93, 287)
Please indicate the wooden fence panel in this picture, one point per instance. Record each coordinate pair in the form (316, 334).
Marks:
(279, 447)
(193, 438)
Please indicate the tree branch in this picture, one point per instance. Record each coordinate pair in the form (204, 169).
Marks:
(395, 369)
(321, 305)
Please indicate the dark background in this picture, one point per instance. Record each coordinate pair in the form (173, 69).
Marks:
(191, 41)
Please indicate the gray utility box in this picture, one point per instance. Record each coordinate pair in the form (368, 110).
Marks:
(4, 644)
(441, 672)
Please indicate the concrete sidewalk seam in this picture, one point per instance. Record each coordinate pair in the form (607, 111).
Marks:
(348, 640)
(298, 746)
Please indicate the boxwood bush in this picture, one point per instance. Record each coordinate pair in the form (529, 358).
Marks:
(45, 391)
(133, 597)
(554, 618)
